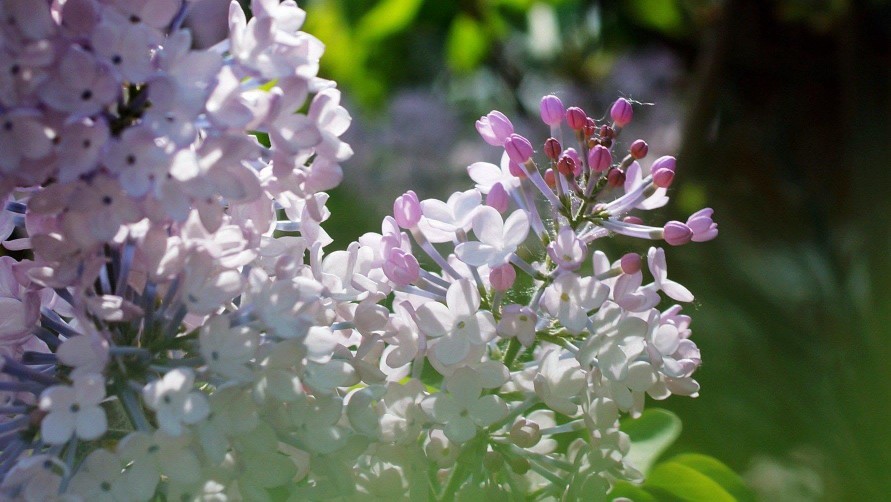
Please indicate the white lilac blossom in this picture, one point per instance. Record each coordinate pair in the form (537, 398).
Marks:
(180, 331)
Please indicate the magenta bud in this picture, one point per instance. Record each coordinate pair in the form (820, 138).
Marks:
(518, 148)
(407, 210)
(599, 159)
(676, 233)
(633, 220)
(574, 155)
(550, 178)
(498, 198)
(590, 127)
(494, 127)
(639, 149)
(630, 263)
(615, 178)
(576, 118)
(566, 166)
(553, 149)
(621, 112)
(664, 162)
(551, 110)
(502, 277)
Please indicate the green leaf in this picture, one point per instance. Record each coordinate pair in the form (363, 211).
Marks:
(467, 44)
(674, 481)
(661, 15)
(627, 490)
(386, 18)
(651, 434)
(718, 472)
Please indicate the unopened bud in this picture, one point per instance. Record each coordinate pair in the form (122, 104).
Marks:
(630, 263)
(599, 159)
(639, 149)
(516, 169)
(551, 110)
(502, 277)
(525, 433)
(550, 178)
(590, 128)
(607, 133)
(676, 233)
(616, 178)
(576, 118)
(518, 148)
(407, 210)
(663, 171)
(566, 166)
(498, 197)
(553, 149)
(633, 219)
(621, 112)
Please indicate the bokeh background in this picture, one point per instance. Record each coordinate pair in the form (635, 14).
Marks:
(778, 112)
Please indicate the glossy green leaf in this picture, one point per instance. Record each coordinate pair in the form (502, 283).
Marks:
(718, 472)
(675, 481)
(651, 434)
(467, 44)
(627, 490)
(386, 18)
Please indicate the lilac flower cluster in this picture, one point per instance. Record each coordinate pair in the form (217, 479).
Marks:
(174, 328)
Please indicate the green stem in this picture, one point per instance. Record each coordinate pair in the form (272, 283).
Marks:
(513, 348)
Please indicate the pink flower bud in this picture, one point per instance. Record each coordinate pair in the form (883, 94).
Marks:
(663, 171)
(630, 263)
(566, 166)
(703, 227)
(633, 219)
(599, 159)
(550, 178)
(574, 155)
(502, 277)
(407, 210)
(516, 170)
(494, 128)
(676, 233)
(621, 112)
(590, 127)
(576, 118)
(553, 149)
(551, 110)
(518, 148)
(498, 198)
(615, 178)
(402, 268)
(639, 149)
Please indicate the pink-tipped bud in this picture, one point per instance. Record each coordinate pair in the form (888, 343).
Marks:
(616, 177)
(551, 110)
(676, 233)
(518, 148)
(553, 149)
(590, 127)
(639, 149)
(401, 267)
(576, 118)
(407, 210)
(502, 277)
(516, 170)
(663, 171)
(630, 263)
(621, 112)
(599, 159)
(498, 198)
(494, 127)
(550, 178)
(566, 166)
(633, 219)
(663, 178)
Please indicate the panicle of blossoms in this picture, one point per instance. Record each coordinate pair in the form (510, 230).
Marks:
(175, 327)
